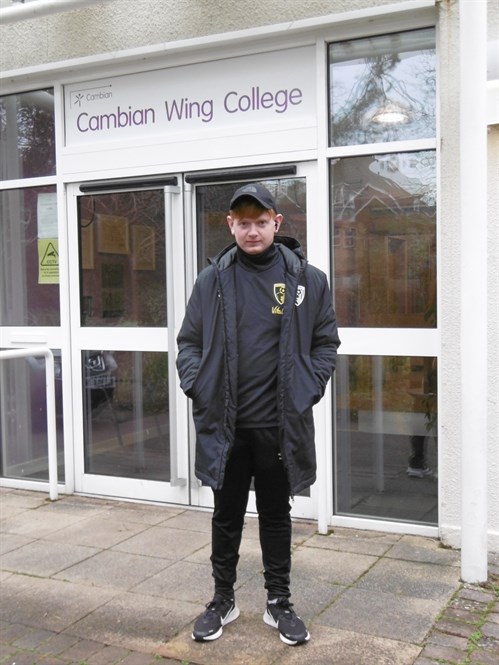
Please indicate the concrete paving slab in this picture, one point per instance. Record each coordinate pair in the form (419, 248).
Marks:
(311, 596)
(424, 550)
(12, 541)
(113, 570)
(192, 520)
(162, 541)
(246, 640)
(72, 510)
(135, 621)
(101, 531)
(48, 604)
(302, 530)
(4, 574)
(182, 581)
(9, 512)
(352, 542)
(201, 556)
(341, 647)
(419, 580)
(36, 524)
(251, 528)
(20, 499)
(142, 513)
(79, 509)
(251, 596)
(43, 559)
(382, 614)
(250, 561)
(331, 566)
(250, 556)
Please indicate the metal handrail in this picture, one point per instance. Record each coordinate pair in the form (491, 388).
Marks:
(51, 421)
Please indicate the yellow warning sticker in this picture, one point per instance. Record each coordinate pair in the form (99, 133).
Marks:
(48, 261)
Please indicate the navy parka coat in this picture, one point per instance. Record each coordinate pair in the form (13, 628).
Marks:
(207, 362)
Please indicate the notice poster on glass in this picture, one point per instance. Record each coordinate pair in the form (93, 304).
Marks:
(48, 242)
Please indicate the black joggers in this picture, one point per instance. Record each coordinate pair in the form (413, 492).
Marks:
(255, 454)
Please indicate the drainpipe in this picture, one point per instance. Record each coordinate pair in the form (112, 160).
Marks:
(38, 8)
(473, 204)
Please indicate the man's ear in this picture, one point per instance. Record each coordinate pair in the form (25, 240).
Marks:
(278, 221)
(230, 222)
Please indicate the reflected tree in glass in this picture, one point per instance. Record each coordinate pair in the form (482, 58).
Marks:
(382, 89)
(27, 134)
(384, 221)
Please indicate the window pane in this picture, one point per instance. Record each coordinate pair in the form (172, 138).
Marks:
(27, 135)
(212, 203)
(23, 418)
(29, 257)
(123, 259)
(386, 448)
(382, 88)
(126, 414)
(384, 218)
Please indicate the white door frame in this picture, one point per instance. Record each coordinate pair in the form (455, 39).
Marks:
(133, 339)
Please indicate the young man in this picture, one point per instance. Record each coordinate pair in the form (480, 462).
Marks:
(256, 350)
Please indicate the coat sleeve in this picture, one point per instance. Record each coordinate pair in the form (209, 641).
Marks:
(190, 342)
(325, 339)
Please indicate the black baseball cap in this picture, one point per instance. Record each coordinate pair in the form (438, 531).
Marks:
(258, 192)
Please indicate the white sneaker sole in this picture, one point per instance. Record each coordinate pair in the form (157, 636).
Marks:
(231, 616)
(419, 473)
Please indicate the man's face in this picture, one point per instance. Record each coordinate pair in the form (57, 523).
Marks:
(253, 228)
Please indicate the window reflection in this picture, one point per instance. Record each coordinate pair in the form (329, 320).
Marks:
(386, 446)
(383, 88)
(23, 418)
(29, 257)
(212, 202)
(27, 135)
(126, 414)
(122, 259)
(384, 217)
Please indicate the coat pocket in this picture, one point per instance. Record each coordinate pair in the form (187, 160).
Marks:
(303, 390)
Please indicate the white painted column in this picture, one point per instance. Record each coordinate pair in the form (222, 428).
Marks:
(473, 204)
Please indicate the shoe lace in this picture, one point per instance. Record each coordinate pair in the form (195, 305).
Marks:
(283, 605)
(216, 605)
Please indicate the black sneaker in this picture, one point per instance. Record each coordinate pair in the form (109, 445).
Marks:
(419, 471)
(279, 614)
(218, 613)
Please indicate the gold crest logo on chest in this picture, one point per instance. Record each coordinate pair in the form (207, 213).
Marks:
(280, 293)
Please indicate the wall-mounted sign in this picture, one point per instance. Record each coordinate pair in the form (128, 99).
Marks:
(266, 88)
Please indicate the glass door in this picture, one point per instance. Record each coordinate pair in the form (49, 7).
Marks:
(207, 195)
(124, 312)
